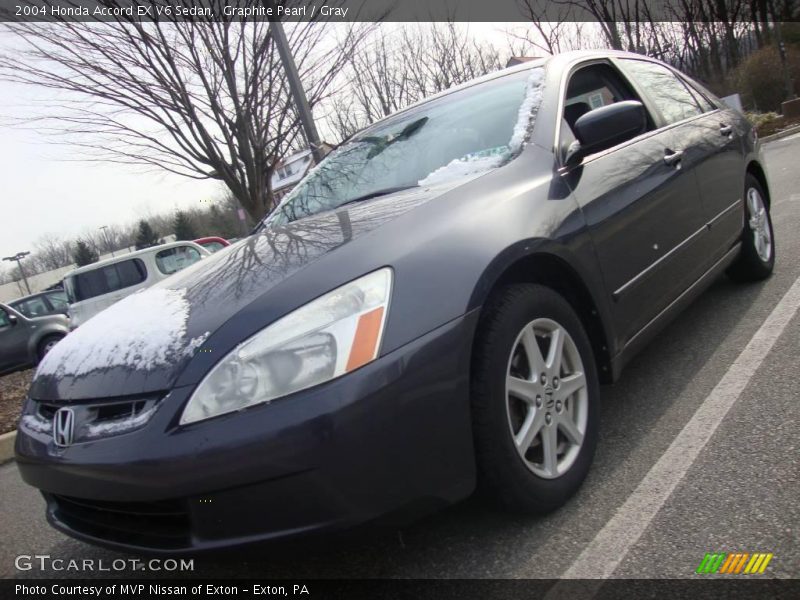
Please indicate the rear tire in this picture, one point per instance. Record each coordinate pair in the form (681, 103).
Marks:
(757, 258)
(535, 399)
(46, 344)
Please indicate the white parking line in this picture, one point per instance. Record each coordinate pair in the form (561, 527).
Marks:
(609, 547)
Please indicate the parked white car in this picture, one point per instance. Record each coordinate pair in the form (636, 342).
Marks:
(95, 287)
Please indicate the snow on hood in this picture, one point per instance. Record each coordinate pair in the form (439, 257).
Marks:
(145, 330)
(480, 162)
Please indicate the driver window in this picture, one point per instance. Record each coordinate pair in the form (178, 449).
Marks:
(591, 87)
(4, 320)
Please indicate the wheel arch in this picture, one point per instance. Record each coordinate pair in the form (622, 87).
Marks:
(554, 271)
(755, 169)
(36, 340)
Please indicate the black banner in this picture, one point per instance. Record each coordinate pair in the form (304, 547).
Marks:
(357, 10)
(405, 589)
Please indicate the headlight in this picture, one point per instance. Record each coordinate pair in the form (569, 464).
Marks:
(328, 337)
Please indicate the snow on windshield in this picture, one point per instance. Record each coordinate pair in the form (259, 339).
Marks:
(143, 331)
(480, 162)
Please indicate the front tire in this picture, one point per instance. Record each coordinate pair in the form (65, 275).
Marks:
(757, 258)
(535, 399)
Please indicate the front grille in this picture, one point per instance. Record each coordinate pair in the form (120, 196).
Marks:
(96, 418)
(163, 524)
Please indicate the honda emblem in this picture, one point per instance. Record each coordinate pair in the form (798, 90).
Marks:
(63, 426)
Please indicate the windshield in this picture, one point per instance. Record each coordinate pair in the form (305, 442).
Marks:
(472, 127)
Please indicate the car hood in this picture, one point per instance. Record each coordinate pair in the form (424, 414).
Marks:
(142, 344)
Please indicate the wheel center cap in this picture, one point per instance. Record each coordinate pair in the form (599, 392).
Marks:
(548, 397)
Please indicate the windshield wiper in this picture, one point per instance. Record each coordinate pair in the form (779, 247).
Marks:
(376, 193)
(383, 142)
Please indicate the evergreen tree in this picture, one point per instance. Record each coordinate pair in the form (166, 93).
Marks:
(184, 230)
(84, 254)
(146, 236)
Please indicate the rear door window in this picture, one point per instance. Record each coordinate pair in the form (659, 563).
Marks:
(33, 307)
(172, 260)
(105, 280)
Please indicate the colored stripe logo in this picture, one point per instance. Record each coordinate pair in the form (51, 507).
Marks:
(735, 563)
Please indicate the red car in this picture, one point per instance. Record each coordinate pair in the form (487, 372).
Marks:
(212, 244)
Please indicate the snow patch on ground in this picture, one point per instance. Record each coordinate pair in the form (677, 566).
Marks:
(145, 330)
(478, 163)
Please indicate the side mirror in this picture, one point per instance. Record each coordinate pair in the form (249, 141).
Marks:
(12, 319)
(605, 127)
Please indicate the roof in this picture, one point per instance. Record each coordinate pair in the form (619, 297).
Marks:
(34, 295)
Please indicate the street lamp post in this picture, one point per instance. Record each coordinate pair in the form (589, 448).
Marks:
(295, 85)
(105, 237)
(18, 258)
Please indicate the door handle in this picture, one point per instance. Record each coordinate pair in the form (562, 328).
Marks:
(673, 158)
(725, 129)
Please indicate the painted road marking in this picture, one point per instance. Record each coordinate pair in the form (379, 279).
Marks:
(612, 543)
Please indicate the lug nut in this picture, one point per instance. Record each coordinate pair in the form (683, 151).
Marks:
(544, 378)
(555, 382)
(558, 406)
(548, 419)
(538, 401)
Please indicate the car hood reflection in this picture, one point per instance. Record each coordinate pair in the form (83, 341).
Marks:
(222, 285)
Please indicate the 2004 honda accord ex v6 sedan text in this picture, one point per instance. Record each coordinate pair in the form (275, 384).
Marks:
(431, 310)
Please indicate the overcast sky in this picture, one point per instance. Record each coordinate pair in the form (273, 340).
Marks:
(45, 190)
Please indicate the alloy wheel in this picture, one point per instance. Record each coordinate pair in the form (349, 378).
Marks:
(759, 224)
(546, 398)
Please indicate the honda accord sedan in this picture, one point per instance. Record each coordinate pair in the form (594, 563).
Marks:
(430, 311)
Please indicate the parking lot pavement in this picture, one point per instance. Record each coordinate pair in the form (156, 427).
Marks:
(737, 492)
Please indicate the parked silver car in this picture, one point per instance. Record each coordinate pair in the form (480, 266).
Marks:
(50, 302)
(24, 341)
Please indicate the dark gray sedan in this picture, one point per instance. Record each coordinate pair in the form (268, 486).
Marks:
(432, 309)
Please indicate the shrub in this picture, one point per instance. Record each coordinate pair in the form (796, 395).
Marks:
(761, 119)
(760, 78)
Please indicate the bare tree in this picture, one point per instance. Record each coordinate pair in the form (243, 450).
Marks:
(52, 252)
(206, 98)
(551, 29)
(395, 69)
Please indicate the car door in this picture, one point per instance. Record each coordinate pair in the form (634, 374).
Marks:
(641, 207)
(720, 176)
(709, 139)
(13, 339)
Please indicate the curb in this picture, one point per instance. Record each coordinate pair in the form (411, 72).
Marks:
(7, 446)
(780, 134)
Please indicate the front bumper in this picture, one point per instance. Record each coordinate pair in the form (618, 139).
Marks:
(393, 436)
